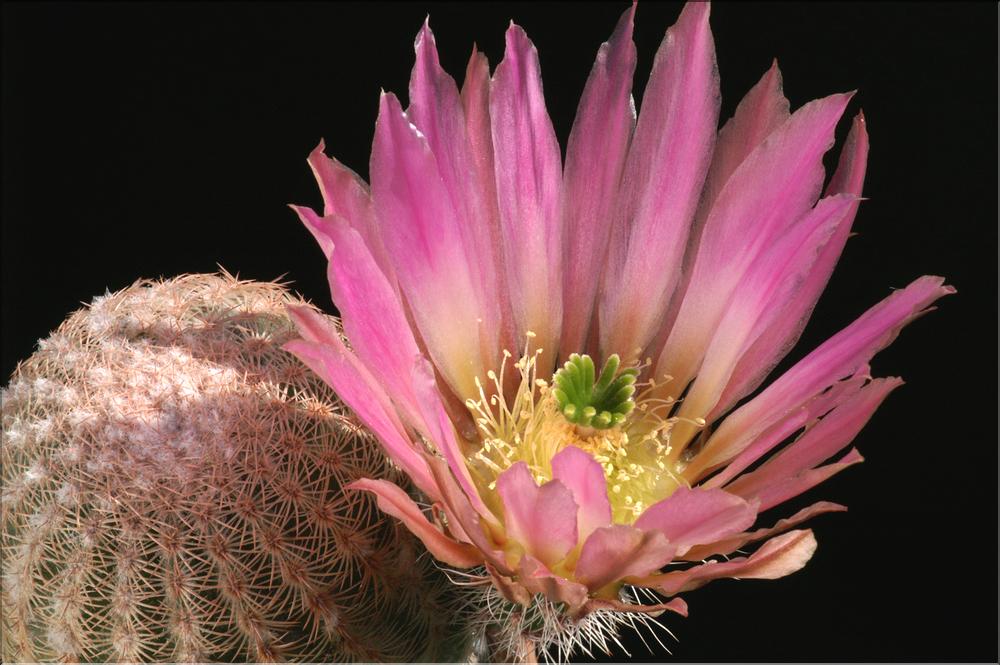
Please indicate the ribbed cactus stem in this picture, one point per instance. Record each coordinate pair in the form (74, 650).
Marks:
(172, 491)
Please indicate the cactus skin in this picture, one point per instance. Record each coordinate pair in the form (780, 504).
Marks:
(172, 492)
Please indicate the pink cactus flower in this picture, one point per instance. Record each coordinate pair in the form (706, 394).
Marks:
(558, 354)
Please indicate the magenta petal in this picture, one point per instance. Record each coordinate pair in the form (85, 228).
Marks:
(761, 297)
(359, 389)
(346, 196)
(838, 357)
(776, 558)
(772, 188)
(821, 441)
(422, 234)
(782, 334)
(585, 479)
(529, 192)
(442, 431)
(691, 517)
(595, 157)
(373, 319)
(663, 177)
(394, 501)
(542, 519)
(613, 553)
(436, 110)
(789, 488)
(729, 545)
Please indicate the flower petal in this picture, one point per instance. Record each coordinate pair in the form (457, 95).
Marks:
(422, 236)
(327, 356)
(664, 174)
(832, 433)
(772, 345)
(789, 488)
(776, 558)
(436, 110)
(729, 545)
(595, 158)
(690, 517)
(769, 283)
(394, 501)
(838, 357)
(772, 188)
(677, 605)
(537, 578)
(541, 519)
(613, 553)
(373, 319)
(529, 192)
(584, 477)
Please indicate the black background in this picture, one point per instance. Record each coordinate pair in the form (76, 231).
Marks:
(154, 139)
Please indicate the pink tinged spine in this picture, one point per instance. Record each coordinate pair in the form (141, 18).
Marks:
(528, 171)
(769, 284)
(772, 188)
(780, 556)
(345, 197)
(422, 234)
(831, 434)
(775, 342)
(322, 350)
(394, 501)
(664, 174)
(584, 478)
(436, 109)
(615, 552)
(690, 517)
(840, 356)
(542, 519)
(595, 159)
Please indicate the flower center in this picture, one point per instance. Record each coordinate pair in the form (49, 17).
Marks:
(625, 431)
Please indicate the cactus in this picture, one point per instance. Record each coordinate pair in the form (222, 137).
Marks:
(172, 492)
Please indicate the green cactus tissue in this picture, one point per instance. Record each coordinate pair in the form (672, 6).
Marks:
(173, 491)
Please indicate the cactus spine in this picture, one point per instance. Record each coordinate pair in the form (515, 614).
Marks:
(172, 492)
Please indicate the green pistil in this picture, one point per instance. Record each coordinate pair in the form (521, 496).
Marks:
(602, 404)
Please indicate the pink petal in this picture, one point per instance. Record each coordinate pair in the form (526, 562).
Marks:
(394, 501)
(677, 605)
(373, 318)
(789, 488)
(776, 558)
(345, 196)
(691, 517)
(838, 357)
(537, 578)
(541, 519)
(595, 158)
(437, 112)
(613, 553)
(759, 113)
(422, 235)
(798, 418)
(442, 431)
(480, 530)
(772, 188)
(729, 545)
(769, 284)
(784, 332)
(663, 177)
(584, 477)
(529, 192)
(360, 391)
(820, 442)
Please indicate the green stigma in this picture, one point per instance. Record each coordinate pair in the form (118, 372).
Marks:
(600, 404)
